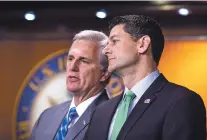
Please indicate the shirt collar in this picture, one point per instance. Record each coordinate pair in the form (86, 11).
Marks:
(84, 105)
(139, 88)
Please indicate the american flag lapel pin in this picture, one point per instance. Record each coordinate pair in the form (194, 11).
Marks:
(147, 101)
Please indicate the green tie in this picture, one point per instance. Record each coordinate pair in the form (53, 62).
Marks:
(122, 114)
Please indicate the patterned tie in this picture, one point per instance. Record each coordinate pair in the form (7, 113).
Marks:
(62, 131)
(122, 113)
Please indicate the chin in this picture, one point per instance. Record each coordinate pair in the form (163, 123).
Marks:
(116, 67)
(73, 89)
(111, 68)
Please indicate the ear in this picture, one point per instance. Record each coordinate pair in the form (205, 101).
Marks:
(143, 44)
(105, 76)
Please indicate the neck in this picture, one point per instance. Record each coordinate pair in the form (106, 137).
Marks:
(82, 96)
(135, 73)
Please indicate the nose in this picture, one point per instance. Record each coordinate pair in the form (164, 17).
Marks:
(106, 50)
(73, 65)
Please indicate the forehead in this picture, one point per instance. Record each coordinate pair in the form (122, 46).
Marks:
(118, 31)
(84, 48)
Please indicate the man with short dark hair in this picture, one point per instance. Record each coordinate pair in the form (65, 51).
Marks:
(151, 107)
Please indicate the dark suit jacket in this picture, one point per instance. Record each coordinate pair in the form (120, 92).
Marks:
(50, 120)
(173, 113)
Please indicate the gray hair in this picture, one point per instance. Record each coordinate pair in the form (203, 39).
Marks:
(98, 37)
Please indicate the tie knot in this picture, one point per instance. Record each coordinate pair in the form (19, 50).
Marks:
(73, 113)
(130, 94)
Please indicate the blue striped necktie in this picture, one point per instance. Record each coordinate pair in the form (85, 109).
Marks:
(62, 131)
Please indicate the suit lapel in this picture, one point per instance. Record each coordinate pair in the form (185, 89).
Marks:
(79, 125)
(84, 120)
(145, 101)
(108, 113)
(58, 117)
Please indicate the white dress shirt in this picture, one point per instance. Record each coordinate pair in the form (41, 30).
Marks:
(81, 108)
(138, 89)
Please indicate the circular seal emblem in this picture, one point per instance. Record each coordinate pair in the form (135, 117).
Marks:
(44, 87)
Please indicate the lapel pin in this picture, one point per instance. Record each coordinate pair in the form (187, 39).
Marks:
(147, 101)
(84, 122)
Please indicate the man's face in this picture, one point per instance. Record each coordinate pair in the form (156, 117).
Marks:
(121, 49)
(83, 66)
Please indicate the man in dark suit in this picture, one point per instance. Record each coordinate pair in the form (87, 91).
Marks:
(86, 78)
(151, 107)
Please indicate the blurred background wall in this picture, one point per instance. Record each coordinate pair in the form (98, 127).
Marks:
(26, 42)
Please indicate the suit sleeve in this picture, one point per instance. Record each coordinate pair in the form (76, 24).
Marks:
(185, 119)
(35, 127)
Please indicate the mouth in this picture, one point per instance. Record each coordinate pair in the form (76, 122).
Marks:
(73, 78)
(110, 59)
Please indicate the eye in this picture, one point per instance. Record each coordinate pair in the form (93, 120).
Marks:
(70, 58)
(114, 41)
(85, 61)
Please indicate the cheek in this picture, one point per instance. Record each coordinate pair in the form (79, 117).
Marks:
(67, 69)
(91, 76)
(122, 54)
(129, 49)
(121, 50)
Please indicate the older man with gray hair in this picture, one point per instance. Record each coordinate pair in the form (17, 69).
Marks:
(86, 78)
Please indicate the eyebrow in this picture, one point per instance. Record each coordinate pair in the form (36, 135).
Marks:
(81, 57)
(112, 37)
(69, 55)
